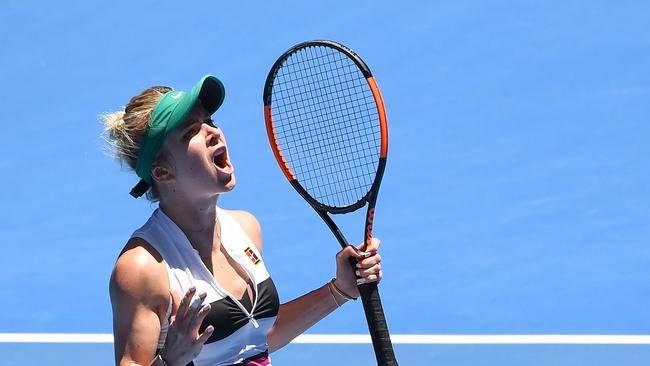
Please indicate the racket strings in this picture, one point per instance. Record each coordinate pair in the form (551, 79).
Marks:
(302, 92)
(369, 105)
(319, 58)
(347, 131)
(326, 123)
(316, 145)
(326, 120)
(356, 160)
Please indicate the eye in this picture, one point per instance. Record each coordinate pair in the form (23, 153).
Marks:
(191, 132)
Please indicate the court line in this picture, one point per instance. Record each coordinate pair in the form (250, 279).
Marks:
(362, 338)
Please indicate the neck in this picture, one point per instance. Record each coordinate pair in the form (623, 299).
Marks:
(198, 220)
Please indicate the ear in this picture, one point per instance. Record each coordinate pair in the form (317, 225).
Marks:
(161, 173)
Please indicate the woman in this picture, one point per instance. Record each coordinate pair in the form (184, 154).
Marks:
(229, 312)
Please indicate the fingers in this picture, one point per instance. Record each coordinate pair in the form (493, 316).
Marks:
(183, 308)
(365, 260)
(369, 269)
(175, 302)
(373, 247)
(369, 261)
(370, 277)
(183, 340)
(365, 272)
(189, 309)
(198, 319)
(348, 252)
(196, 302)
(206, 335)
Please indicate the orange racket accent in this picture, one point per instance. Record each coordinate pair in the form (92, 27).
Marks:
(382, 116)
(371, 217)
(274, 144)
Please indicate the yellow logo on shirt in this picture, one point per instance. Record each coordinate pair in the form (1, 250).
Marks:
(252, 256)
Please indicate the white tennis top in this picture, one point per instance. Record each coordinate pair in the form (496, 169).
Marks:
(241, 325)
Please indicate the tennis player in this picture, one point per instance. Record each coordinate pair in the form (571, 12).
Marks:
(191, 285)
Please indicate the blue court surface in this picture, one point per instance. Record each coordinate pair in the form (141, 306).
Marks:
(516, 200)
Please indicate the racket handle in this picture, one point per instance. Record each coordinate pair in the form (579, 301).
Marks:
(377, 324)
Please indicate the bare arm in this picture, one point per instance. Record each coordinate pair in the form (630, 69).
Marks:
(139, 296)
(298, 315)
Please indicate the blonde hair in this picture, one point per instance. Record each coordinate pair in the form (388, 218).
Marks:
(124, 130)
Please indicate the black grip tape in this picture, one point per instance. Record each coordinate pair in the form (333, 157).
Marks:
(377, 324)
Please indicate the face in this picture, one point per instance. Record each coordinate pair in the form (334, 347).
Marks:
(199, 163)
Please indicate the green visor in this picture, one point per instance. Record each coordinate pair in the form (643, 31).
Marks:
(170, 112)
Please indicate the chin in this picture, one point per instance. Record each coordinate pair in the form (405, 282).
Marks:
(230, 184)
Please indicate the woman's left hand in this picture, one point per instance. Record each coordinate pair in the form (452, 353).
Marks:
(368, 267)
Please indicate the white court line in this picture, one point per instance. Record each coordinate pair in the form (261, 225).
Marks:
(478, 339)
(362, 338)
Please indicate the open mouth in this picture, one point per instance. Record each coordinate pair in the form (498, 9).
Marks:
(220, 159)
(221, 162)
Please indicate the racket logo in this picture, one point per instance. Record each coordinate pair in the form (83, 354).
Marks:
(252, 256)
(371, 216)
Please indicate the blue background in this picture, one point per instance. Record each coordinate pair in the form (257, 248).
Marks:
(516, 197)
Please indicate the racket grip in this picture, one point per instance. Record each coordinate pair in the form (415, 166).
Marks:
(377, 324)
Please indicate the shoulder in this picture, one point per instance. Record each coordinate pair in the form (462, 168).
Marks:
(251, 226)
(139, 276)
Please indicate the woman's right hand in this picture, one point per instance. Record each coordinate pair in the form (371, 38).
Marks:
(183, 342)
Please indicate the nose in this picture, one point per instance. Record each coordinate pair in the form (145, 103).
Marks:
(213, 134)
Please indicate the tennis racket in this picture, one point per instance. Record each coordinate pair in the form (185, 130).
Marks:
(326, 123)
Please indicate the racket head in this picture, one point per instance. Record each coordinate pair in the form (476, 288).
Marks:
(326, 123)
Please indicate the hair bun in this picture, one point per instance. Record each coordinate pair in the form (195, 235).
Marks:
(113, 121)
